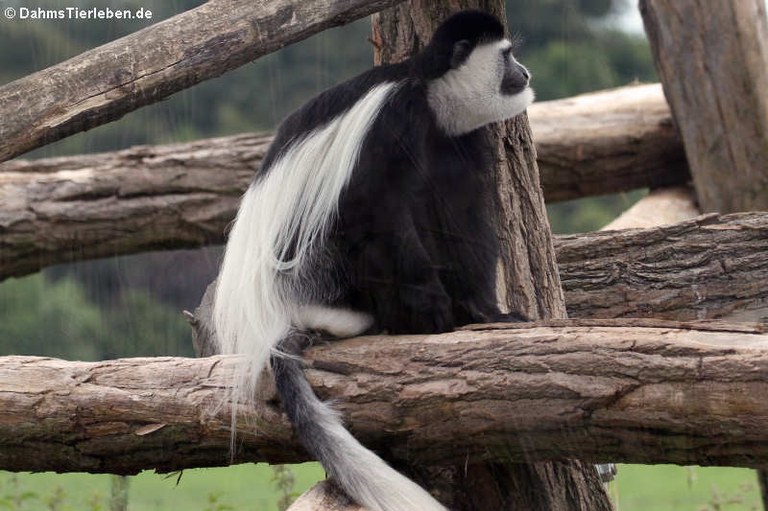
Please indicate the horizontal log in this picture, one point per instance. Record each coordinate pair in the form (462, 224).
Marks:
(58, 210)
(607, 142)
(633, 391)
(707, 267)
(105, 83)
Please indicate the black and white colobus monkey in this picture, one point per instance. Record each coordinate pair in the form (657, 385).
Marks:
(371, 214)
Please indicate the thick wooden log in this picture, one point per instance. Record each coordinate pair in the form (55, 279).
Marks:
(606, 142)
(713, 61)
(107, 82)
(702, 268)
(324, 496)
(710, 266)
(57, 210)
(665, 206)
(634, 390)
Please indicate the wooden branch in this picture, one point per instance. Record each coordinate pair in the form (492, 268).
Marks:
(636, 390)
(712, 59)
(149, 197)
(607, 142)
(105, 83)
(58, 210)
(701, 268)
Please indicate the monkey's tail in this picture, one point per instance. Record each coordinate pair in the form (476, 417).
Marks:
(364, 476)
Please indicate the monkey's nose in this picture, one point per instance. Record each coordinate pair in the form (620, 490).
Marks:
(526, 74)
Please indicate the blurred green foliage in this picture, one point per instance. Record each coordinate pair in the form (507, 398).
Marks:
(40, 318)
(241, 487)
(57, 319)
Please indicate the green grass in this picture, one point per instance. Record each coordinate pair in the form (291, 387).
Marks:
(251, 488)
(673, 488)
(242, 487)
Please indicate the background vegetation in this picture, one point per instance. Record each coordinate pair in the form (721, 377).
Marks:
(129, 306)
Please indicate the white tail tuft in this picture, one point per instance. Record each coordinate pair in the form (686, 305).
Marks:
(366, 477)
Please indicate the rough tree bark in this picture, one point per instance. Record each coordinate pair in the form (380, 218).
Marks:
(710, 266)
(107, 82)
(59, 210)
(607, 142)
(530, 285)
(174, 196)
(713, 61)
(631, 390)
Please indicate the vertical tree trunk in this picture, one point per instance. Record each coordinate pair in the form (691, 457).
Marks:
(712, 58)
(532, 286)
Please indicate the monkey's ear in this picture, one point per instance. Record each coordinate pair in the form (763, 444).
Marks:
(461, 51)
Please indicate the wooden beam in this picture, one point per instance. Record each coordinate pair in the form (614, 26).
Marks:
(712, 58)
(105, 83)
(706, 267)
(607, 142)
(642, 391)
(59, 210)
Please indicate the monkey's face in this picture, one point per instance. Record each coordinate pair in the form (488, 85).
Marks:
(485, 84)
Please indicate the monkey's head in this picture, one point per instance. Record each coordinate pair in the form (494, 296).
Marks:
(472, 77)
